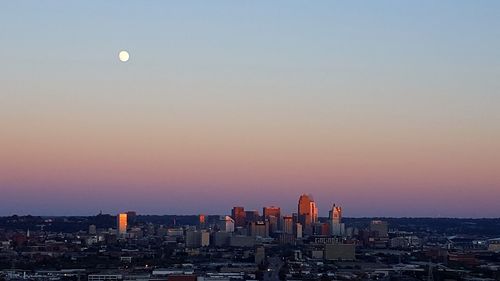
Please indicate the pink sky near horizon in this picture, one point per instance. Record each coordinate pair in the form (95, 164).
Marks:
(370, 168)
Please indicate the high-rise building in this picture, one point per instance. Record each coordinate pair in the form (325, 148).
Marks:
(121, 223)
(337, 228)
(196, 238)
(201, 221)
(252, 216)
(205, 238)
(335, 214)
(379, 228)
(274, 224)
(226, 224)
(259, 228)
(273, 215)
(271, 211)
(298, 230)
(307, 213)
(287, 223)
(221, 239)
(131, 218)
(238, 214)
(192, 239)
(325, 229)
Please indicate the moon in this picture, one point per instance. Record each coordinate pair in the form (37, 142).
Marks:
(123, 56)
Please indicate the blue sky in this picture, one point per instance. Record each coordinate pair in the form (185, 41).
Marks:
(336, 98)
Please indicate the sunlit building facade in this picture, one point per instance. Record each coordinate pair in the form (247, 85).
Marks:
(226, 224)
(307, 213)
(337, 228)
(238, 214)
(121, 223)
(201, 221)
(287, 223)
(271, 211)
(272, 214)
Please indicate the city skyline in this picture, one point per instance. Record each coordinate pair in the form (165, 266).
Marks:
(306, 215)
(386, 108)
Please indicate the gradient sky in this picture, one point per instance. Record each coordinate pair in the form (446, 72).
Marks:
(389, 108)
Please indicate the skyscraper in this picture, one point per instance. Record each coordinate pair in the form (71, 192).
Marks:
(271, 211)
(259, 228)
(337, 228)
(226, 224)
(335, 214)
(201, 221)
(238, 214)
(273, 215)
(251, 216)
(298, 230)
(287, 224)
(131, 218)
(273, 224)
(121, 223)
(307, 212)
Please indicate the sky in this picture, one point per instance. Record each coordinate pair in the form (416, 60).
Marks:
(388, 108)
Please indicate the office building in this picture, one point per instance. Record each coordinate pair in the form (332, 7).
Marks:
(271, 211)
(337, 228)
(298, 230)
(287, 222)
(273, 215)
(205, 238)
(238, 214)
(273, 224)
(196, 239)
(259, 228)
(131, 218)
(172, 232)
(192, 239)
(307, 213)
(335, 214)
(201, 221)
(252, 216)
(285, 239)
(379, 228)
(226, 224)
(121, 223)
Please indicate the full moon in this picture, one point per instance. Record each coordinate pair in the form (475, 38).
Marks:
(123, 56)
